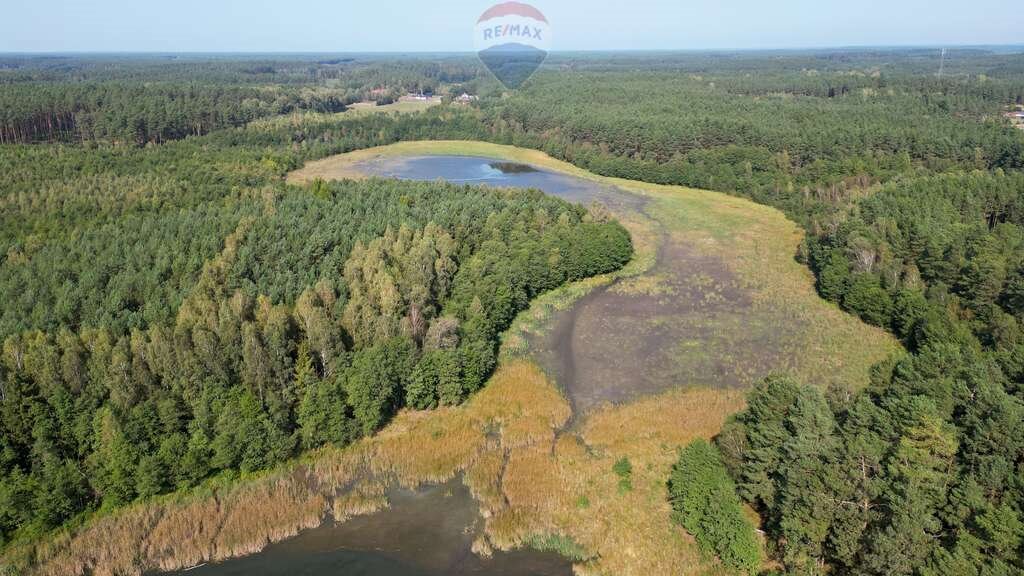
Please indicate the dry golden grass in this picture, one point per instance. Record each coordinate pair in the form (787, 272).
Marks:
(531, 481)
(571, 489)
(179, 532)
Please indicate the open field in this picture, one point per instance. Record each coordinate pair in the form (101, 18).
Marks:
(718, 277)
(401, 106)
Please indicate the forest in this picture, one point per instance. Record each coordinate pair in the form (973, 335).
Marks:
(172, 309)
(176, 311)
(151, 99)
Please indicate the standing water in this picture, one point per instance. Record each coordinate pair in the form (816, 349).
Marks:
(428, 532)
(489, 172)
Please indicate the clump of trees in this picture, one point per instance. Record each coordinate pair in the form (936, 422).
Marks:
(919, 474)
(928, 257)
(704, 501)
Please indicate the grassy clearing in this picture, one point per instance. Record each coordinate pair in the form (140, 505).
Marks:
(535, 485)
(401, 106)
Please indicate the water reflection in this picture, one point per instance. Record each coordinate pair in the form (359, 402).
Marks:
(487, 171)
(512, 168)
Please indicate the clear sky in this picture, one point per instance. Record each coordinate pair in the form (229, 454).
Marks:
(446, 25)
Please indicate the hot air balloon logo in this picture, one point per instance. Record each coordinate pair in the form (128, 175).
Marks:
(512, 40)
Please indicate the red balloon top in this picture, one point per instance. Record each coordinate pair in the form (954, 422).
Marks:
(512, 9)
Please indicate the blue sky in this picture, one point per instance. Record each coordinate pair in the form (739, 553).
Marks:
(446, 25)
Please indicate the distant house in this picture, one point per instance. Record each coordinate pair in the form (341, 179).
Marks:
(466, 98)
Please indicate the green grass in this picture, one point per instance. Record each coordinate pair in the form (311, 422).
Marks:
(624, 470)
(563, 545)
(401, 107)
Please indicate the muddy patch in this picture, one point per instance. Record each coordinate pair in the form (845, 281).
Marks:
(429, 532)
(683, 323)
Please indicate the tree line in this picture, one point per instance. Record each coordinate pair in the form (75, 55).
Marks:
(136, 114)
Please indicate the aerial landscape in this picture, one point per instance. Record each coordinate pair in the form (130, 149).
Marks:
(514, 289)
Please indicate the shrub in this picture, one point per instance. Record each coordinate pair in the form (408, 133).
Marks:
(624, 470)
(866, 298)
(705, 503)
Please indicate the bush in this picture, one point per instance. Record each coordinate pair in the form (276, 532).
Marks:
(867, 299)
(624, 470)
(705, 503)
(834, 277)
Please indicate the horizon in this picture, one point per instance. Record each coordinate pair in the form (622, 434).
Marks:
(470, 53)
(262, 26)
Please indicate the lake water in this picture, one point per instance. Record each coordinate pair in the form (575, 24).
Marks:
(489, 172)
(428, 532)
